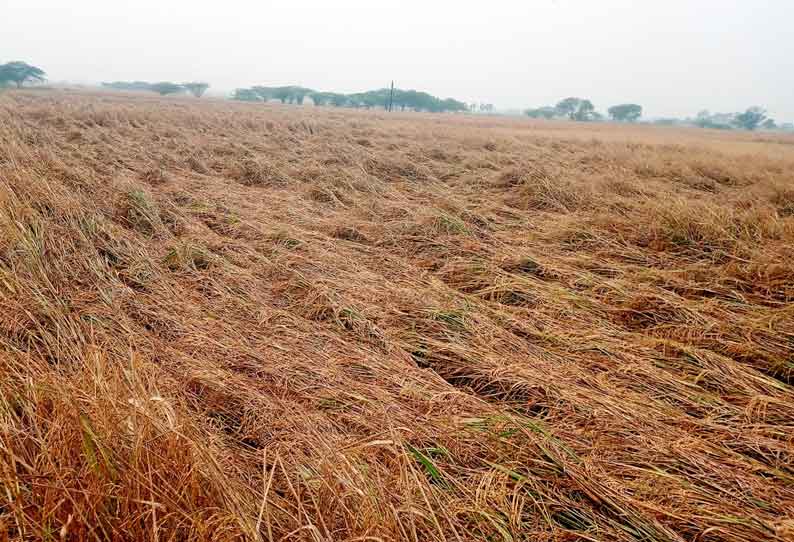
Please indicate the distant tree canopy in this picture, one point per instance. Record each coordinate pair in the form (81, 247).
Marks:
(196, 88)
(753, 118)
(570, 108)
(403, 99)
(450, 104)
(321, 98)
(545, 112)
(582, 110)
(750, 119)
(290, 94)
(586, 111)
(408, 99)
(283, 94)
(166, 87)
(246, 95)
(769, 124)
(338, 100)
(625, 112)
(576, 109)
(19, 73)
(716, 121)
(128, 85)
(163, 88)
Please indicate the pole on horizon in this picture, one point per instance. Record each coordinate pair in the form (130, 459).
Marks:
(391, 96)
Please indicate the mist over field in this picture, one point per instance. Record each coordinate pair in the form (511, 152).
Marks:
(675, 57)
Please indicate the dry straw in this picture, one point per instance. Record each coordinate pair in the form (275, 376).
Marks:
(225, 321)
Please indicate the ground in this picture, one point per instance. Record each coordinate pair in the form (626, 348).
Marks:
(227, 321)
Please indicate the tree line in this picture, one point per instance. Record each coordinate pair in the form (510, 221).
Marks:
(576, 109)
(402, 99)
(163, 88)
(752, 118)
(583, 110)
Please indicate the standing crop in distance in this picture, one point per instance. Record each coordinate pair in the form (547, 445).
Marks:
(625, 112)
(197, 89)
(19, 72)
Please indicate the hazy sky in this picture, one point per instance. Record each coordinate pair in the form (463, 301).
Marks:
(675, 57)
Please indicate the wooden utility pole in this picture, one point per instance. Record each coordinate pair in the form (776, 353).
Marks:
(391, 96)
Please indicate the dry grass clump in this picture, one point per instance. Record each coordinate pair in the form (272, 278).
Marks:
(155, 176)
(783, 200)
(703, 227)
(253, 172)
(189, 257)
(388, 168)
(316, 324)
(139, 212)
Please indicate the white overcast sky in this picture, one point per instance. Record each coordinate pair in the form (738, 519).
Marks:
(675, 57)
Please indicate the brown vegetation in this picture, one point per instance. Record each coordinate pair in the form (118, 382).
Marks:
(223, 321)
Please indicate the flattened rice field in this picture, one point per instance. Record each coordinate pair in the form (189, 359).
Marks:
(226, 321)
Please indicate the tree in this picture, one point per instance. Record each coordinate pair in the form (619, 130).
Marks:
(704, 120)
(128, 85)
(197, 89)
(716, 121)
(450, 104)
(586, 111)
(545, 112)
(19, 73)
(568, 107)
(246, 95)
(369, 99)
(320, 98)
(413, 99)
(164, 88)
(625, 112)
(576, 109)
(298, 94)
(281, 93)
(338, 100)
(750, 119)
(769, 124)
(264, 93)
